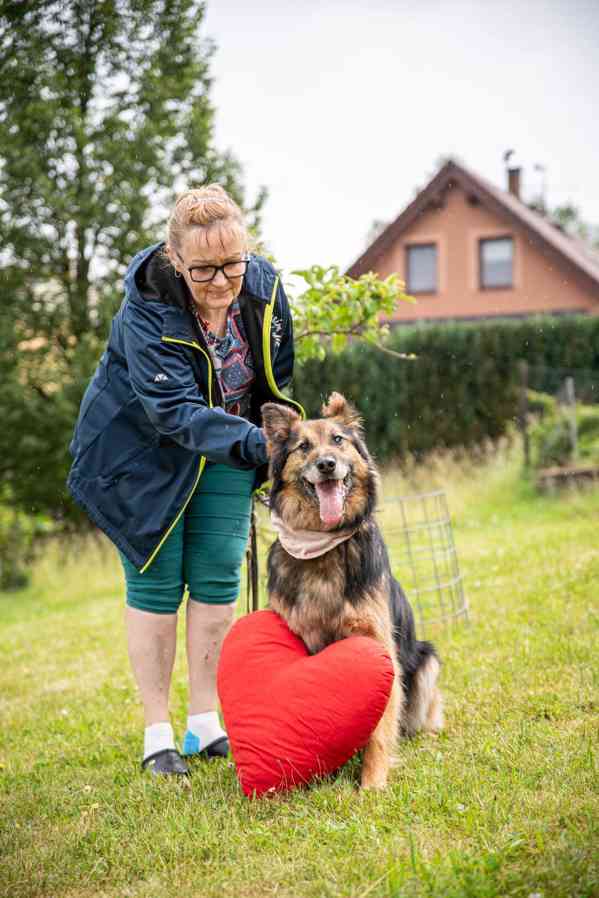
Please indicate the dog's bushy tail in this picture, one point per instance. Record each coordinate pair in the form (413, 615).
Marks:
(420, 667)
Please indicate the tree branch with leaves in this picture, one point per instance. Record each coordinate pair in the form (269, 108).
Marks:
(335, 309)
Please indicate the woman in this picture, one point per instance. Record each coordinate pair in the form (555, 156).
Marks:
(168, 449)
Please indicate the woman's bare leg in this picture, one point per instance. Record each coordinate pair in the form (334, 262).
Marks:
(207, 626)
(152, 641)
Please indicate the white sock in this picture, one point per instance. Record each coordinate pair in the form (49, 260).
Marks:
(157, 737)
(206, 727)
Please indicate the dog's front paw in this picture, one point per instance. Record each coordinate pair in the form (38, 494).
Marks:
(373, 787)
(374, 781)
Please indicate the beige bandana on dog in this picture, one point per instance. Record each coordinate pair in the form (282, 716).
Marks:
(304, 544)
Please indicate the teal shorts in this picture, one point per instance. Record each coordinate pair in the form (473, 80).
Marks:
(205, 549)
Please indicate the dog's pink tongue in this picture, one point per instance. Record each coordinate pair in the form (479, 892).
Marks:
(330, 497)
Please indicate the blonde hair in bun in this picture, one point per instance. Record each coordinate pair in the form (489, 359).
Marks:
(209, 207)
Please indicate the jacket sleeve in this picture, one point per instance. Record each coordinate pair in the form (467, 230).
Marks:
(284, 355)
(162, 379)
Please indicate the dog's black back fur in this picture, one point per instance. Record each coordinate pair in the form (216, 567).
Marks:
(411, 652)
(365, 560)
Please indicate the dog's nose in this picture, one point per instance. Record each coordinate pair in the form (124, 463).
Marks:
(326, 465)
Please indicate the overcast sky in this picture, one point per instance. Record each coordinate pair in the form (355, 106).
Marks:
(342, 108)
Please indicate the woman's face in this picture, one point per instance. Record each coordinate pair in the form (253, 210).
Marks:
(202, 247)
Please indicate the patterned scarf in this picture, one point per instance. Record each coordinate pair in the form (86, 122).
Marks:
(304, 544)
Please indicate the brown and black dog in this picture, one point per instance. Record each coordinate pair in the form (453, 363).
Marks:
(324, 489)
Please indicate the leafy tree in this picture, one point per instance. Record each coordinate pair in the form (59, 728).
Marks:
(567, 217)
(104, 113)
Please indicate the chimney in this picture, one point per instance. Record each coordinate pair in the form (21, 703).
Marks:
(513, 181)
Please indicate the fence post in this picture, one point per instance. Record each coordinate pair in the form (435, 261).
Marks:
(523, 410)
(571, 407)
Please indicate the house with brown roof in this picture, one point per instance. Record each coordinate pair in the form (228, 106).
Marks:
(466, 249)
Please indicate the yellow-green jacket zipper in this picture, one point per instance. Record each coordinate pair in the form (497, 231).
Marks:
(270, 379)
(202, 464)
(266, 353)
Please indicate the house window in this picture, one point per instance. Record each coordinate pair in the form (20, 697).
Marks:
(422, 268)
(496, 262)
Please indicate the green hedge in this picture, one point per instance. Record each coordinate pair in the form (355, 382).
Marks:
(462, 388)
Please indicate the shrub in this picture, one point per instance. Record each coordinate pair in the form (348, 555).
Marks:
(551, 438)
(462, 387)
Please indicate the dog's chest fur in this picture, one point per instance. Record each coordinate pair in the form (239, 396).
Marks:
(321, 598)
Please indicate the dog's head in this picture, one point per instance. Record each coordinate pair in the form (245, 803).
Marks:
(322, 475)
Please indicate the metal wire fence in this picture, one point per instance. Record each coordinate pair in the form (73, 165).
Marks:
(424, 558)
(419, 536)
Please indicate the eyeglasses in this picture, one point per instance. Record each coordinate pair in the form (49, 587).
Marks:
(202, 274)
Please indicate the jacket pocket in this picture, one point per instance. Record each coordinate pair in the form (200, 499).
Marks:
(126, 466)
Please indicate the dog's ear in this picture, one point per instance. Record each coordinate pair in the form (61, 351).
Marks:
(277, 421)
(338, 407)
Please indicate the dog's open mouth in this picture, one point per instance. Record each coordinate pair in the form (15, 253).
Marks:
(331, 495)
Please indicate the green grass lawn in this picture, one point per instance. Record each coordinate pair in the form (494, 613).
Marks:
(504, 802)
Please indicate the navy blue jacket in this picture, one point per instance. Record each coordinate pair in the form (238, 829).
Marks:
(152, 413)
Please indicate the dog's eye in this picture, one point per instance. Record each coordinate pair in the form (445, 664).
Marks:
(304, 446)
(337, 439)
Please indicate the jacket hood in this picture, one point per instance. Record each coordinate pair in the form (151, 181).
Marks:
(151, 277)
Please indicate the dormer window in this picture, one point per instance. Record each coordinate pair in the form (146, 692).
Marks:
(496, 259)
(421, 268)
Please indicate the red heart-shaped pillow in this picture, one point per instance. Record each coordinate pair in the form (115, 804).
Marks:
(291, 716)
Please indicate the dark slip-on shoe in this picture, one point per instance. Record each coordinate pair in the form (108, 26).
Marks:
(167, 762)
(217, 749)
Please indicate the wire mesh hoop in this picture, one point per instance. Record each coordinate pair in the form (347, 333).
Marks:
(419, 537)
(418, 532)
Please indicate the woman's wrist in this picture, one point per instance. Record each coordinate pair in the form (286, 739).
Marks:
(254, 449)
